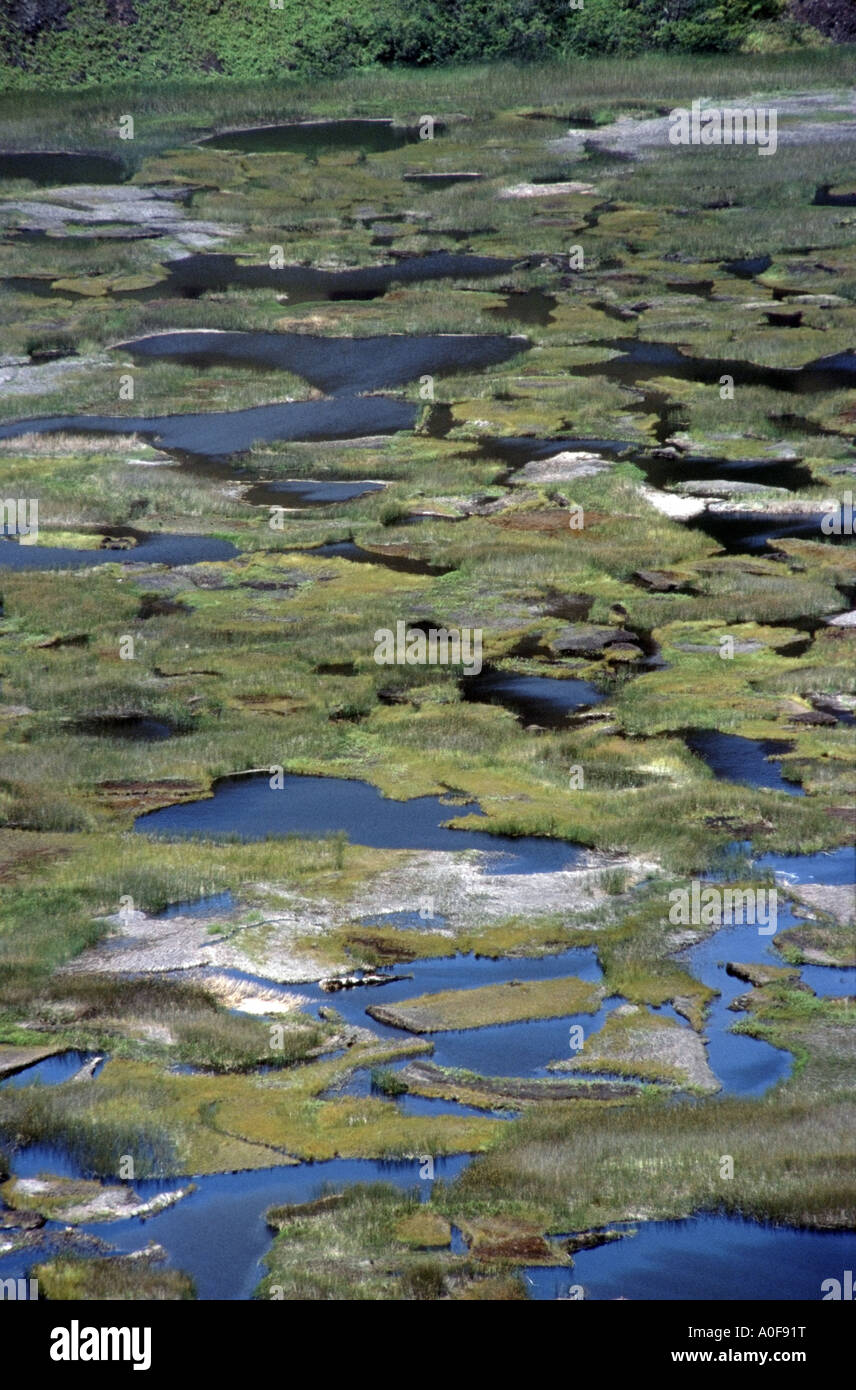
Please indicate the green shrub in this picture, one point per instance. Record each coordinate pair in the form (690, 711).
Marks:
(388, 1081)
(68, 43)
(424, 1281)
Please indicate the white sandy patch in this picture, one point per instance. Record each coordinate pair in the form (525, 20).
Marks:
(668, 504)
(247, 997)
(454, 883)
(546, 190)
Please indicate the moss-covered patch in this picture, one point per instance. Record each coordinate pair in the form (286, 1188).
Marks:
(491, 1004)
(760, 975)
(423, 1078)
(637, 1043)
(424, 1230)
(501, 1239)
(817, 945)
(171, 1020)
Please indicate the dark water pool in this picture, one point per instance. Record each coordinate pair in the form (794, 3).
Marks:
(660, 472)
(47, 167)
(441, 181)
(164, 549)
(247, 808)
(639, 361)
(308, 492)
(314, 138)
(217, 434)
(337, 366)
(747, 267)
(518, 450)
(210, 906)
(748, 534)
(196, 274)
(543, 700)
(666, 472)
(214, 272)
(349, 550)
(825, 198)
(748, 760)
(527, 306)
(139, 726)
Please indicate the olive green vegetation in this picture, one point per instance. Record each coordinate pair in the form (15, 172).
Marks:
(214, 667)
(178, 1022)
(566, 1166)
(188, 1124)
(818, 944)
(576, 1166)
(388, 1246)
(635, 1043)
(656, 1160)
(498, 1093)
(492, 1004)
(59, 888)
(72, 1278)
(267, 660)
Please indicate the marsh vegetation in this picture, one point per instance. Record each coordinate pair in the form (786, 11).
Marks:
(367, 390)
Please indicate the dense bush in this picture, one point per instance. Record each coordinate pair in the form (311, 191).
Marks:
(692, 26)
(437, 31)
(73, 42)
(836, 19)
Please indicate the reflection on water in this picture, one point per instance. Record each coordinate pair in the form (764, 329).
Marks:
(314, 138)
(542, 700)
(721, 1258)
